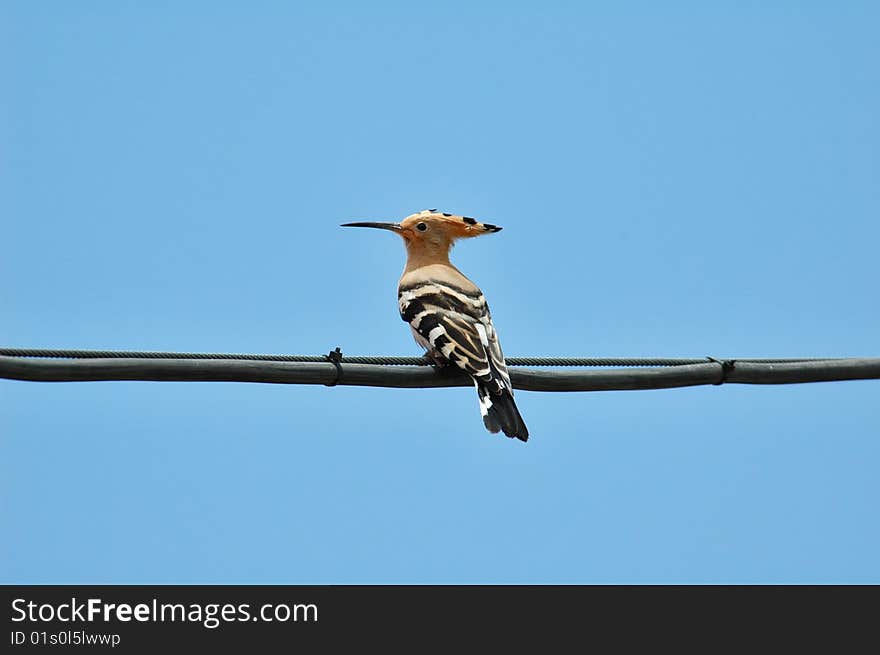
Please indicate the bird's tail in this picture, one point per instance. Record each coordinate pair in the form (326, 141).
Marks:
(500, 413)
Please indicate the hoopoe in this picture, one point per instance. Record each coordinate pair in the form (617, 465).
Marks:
(448, 314)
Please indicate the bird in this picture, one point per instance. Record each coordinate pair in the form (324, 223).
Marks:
(447, 313)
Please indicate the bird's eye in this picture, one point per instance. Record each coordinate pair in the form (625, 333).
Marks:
(421, 227)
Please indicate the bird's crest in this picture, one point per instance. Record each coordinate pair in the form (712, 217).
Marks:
(451, 225)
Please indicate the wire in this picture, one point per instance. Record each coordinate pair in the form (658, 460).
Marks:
(376, 360)
(324, 370)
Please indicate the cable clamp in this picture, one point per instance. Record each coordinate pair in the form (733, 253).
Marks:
(727, 366)
(335, 358)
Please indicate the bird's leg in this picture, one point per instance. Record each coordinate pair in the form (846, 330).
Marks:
(437, 357)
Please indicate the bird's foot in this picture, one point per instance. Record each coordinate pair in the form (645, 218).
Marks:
(439, 360)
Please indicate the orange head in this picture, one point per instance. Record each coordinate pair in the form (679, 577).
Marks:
(430, 232)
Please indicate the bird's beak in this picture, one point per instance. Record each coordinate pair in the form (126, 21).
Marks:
(394, 227)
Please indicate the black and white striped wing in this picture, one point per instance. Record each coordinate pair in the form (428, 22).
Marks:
(456, 324)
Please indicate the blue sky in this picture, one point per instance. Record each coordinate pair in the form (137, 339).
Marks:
(680, 180)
